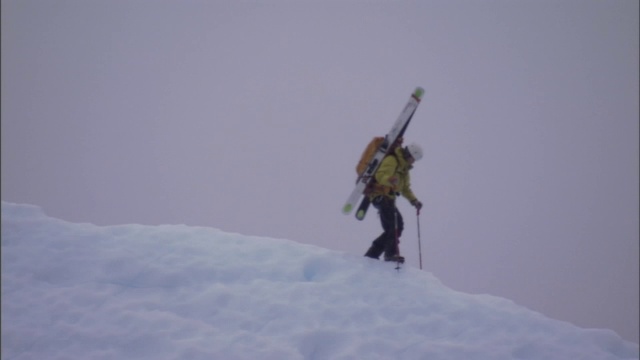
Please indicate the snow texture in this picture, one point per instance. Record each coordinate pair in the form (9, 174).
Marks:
(80, 291)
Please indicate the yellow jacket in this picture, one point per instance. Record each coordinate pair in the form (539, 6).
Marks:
(393, 167)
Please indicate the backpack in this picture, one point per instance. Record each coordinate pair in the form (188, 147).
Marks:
(370, 151)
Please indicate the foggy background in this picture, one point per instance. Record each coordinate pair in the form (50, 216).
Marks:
(249, 116)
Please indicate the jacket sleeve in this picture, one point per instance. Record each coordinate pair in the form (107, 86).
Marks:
(386, 170)
(406, 189)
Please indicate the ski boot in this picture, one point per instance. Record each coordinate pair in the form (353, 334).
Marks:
(395, 258)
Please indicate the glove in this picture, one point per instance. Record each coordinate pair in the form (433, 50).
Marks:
(417, 204)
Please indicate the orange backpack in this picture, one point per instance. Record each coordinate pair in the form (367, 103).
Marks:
(368, 153)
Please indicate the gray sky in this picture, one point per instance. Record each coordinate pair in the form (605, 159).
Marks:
(250, 117)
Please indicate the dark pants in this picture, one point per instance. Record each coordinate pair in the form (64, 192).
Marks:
(391, 221)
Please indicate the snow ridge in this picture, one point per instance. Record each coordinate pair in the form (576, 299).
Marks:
(79, 291)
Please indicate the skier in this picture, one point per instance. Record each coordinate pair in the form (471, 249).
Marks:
(392, 179)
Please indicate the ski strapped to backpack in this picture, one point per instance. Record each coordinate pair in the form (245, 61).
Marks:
(383, 147)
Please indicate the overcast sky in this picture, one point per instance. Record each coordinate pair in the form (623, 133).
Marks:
(249, 116)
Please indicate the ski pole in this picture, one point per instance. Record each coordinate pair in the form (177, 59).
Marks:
(419, 242)
(397, 238)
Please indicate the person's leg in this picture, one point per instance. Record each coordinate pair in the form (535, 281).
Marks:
(395, 225)
(379, 245)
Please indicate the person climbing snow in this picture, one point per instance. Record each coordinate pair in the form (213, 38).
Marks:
(392, 179)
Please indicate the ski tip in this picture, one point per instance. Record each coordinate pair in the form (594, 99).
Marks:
(418, 93)
(360, 215)
(347, 208)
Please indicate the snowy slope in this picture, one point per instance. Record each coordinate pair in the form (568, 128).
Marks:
(79, 291)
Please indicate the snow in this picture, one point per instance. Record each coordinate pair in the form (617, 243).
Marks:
(80, 291)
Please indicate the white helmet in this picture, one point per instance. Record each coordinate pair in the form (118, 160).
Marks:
(415, 151)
